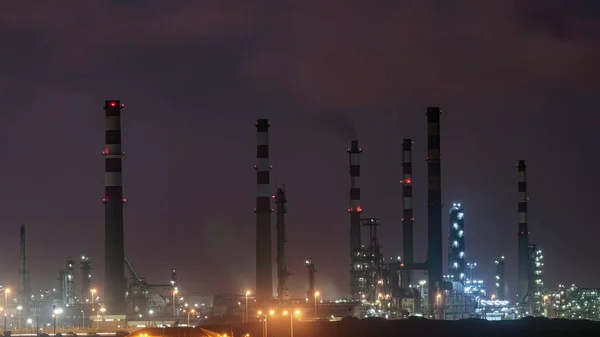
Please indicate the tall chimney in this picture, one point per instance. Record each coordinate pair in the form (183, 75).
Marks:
(434, 205)
(282, 271)
(523, 235)
(264, 273)
(356, 286)
(114, 250)
(407, 214)
(24, 291)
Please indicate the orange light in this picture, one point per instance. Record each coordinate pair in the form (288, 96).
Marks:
(358, 209)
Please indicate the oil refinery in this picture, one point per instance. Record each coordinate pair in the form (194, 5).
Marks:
(379, 286)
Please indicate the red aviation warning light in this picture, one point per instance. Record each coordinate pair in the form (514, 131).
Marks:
(112, 104)
(408, 181)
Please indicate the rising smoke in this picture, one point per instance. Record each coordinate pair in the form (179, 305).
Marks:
(338, 122)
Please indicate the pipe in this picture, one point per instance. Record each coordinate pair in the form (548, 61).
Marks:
(355, 211)
(407, 213)
(434, 205)
(114, 249)
(523, 237)
(282, 272)
(264, 273)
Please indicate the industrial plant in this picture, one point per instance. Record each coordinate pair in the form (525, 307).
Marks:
(379, 286)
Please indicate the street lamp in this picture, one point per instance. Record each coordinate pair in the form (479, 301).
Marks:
(175, 291)
(246, 313)
(102, 311)
(295, 313)
(266, 322)
(316, 296)
(6, 292)
(19, 308)
(189, 313)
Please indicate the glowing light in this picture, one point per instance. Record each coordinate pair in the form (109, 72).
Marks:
(408, 181)
(358, 209)
(112, 104)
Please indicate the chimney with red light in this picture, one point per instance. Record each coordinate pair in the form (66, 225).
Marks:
(114, 250)
(356, 285)
(407, 214)
(264, 272)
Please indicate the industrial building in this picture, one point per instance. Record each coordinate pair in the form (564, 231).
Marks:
(457, 266)
(378, 287)
(500, 280)
(536, 284)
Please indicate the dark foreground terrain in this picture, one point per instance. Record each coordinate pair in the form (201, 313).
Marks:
(383, 328)
(424, 328)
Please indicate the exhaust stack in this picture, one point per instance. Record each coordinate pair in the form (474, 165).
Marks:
(357, 287)
(264, 273)
(114, 249)
(282, 271)
(523, 236)
(434, 205)
(407, 214)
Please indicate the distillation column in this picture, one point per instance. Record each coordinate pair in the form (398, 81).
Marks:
(282, 271)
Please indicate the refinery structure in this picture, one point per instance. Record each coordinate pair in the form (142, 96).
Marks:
(377, 286)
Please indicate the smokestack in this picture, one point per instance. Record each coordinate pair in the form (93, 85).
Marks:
(114, 250)
(24, 290)
(86, 278)
(282, 271)
(356, 286)
(434, 204)
(407, 214)
(311, 279)
(523, 235)
(264, 273)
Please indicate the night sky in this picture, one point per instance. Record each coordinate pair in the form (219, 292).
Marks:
(515, 79)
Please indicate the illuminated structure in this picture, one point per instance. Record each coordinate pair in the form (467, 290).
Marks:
(264, 273)
(282, 271)
(457, 266)
(358, 284)
(536, 284)
(523, 294)
(434, 205)
(574, 303)
(500, 281)
(114, 242)
(371, 270)
(86, 278)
